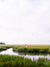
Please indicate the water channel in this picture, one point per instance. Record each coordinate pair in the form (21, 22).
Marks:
(32, 57)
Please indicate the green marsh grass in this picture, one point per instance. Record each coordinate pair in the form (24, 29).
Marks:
(15, 61)
(29, 49)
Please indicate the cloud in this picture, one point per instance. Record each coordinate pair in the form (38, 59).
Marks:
(25, 21)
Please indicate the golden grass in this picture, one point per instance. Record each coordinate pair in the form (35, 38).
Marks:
(31, 46)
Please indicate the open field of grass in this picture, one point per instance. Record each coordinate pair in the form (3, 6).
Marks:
(15, 61)
(29, 49)
(29, 46)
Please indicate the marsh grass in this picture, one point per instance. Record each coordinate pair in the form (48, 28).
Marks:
(30, 49)
(15, 61)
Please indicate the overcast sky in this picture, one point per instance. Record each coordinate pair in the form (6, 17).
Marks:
(25, 21)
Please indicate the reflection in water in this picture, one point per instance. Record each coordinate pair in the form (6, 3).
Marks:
(8, 52)
(32, 57)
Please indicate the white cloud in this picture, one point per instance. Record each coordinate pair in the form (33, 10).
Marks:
(25, 21)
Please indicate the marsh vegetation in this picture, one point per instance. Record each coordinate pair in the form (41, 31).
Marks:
(45, 49)
(15, 61)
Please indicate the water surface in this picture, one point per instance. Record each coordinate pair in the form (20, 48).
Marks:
(32, 57)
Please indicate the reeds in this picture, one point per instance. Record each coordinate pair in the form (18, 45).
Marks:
(30, 49)
(15, 61)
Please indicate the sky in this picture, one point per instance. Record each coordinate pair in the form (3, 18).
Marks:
(25, 21)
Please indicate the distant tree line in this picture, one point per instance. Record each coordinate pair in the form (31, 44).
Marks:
(1, 43)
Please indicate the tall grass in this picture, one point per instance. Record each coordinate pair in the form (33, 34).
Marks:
(13, 61)
(4, 47)
(30, 49)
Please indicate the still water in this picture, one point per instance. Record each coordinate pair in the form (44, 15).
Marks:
(32, 57)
